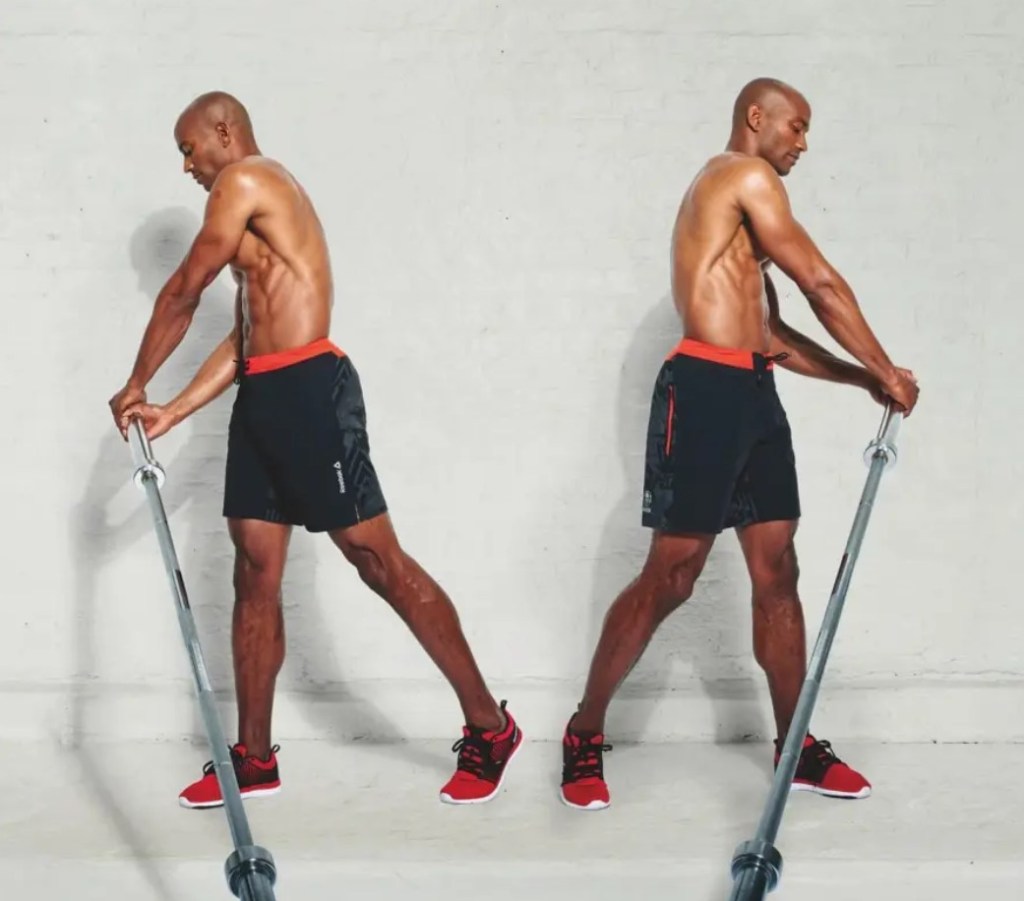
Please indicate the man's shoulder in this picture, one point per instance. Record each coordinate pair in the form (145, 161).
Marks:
(728, 181)
(730, 172)
(745, 170)
(252, 174)
(750, 182)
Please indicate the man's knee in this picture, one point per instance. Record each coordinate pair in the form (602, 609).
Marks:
(675, 572)
(380, 564)
(260, 550)
(375, 570)
(775, 572)
(257, 577)
(679, 582)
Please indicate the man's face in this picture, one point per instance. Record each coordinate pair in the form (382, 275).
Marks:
(784, 123)
(202, 146)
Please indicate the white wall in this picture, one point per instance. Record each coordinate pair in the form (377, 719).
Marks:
(498, 182)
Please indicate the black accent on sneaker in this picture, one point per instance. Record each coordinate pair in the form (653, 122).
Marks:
(583, 761)
(474, 753)
(477, 754)
(815, 760)
(245, 773)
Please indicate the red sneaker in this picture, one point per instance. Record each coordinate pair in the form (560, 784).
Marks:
(483, 757)
(820, 771)
(256, 779)
(583, 785)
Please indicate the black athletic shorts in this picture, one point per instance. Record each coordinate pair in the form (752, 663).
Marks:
(298, 450)
(719, 448)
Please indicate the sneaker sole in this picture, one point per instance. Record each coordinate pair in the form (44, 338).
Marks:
(593, 805)
(448, 799)
(206, 805)
(817, 790)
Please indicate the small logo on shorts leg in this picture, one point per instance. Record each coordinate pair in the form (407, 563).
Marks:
(341, 478)
(648, 501)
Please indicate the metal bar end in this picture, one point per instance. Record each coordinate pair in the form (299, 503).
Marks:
(757, 858)
(250, 860)
(884, 444)
(146, 466)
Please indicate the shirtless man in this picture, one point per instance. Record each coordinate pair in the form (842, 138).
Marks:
(297, 452)
(719, 449)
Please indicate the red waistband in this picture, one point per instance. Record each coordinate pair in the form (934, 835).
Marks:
(291, 356)
(728, 356)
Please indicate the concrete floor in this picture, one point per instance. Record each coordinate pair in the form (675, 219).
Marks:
(360, 821)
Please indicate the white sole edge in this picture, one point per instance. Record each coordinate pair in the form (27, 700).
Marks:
(863, 793)
(448, 799)
(255, 793)
(593, 805)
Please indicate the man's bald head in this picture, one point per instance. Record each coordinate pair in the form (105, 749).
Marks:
(770, 119)
(766, 93)
(218, 108)
(212, 132)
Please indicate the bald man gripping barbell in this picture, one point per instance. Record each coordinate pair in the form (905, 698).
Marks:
(298, 452)
(719, 449)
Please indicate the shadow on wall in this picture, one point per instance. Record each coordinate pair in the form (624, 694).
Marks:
(710, 633)
(156, 249)
(193, 488)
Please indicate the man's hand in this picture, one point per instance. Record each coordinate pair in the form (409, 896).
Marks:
(156, 420)
(901, 390)
(128, 396)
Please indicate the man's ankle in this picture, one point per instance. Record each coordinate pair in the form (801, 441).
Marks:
(496, 721)
(586, 725)
(259, 750)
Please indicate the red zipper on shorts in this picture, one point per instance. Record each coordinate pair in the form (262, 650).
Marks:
(671, 419)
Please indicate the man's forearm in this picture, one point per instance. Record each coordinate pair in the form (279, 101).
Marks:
(809, 358)
(835, 308)
(212, 379)
(172, 316)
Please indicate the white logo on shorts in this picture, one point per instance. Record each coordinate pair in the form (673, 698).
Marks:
(341, 478)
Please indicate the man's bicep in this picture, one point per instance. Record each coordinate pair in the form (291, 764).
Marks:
(227, 214)
(766, 208)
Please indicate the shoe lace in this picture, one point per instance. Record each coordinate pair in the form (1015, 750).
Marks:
(823, 753)
(236, 760)
(474, 751)
(585, 759)
(210, 766)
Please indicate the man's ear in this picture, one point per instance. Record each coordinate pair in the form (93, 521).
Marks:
(755, 117)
